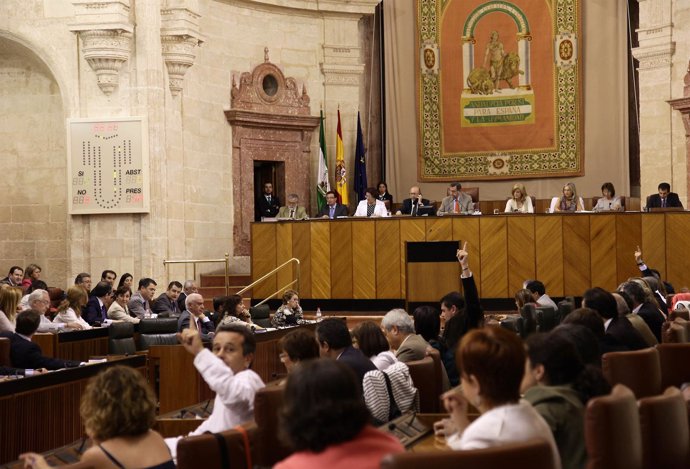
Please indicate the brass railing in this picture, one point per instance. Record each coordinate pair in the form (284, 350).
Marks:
(194, 262)
(295, 282)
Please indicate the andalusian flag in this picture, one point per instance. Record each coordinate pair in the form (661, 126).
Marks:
(340, 171)
(322, 184)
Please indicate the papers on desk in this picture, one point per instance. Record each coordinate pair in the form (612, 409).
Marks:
(96, 360)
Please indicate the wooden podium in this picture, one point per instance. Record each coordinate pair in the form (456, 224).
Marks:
(432, 271)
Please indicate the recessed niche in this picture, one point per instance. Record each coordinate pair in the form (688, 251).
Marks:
(270, 85)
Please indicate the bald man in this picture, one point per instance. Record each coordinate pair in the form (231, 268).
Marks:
(411, 206)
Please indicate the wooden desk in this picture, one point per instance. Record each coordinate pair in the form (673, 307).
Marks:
(41, 412)
(364, 259)
(74, 345)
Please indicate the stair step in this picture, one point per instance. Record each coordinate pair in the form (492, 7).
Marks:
(218, 280)
(218, 291)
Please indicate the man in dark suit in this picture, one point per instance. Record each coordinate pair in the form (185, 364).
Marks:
(665, 198)
(96, 310)
(618, 329)
(332, 209)
(189, 288)
(195, 312)
(645, 309)
(166, 305)
(412, 205)
(267, 204)
(335, 342)
(26, 354)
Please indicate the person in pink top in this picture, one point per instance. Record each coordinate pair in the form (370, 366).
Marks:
(324, 419)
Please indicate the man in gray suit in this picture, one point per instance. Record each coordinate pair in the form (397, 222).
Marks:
(457, 202)
(399, 330)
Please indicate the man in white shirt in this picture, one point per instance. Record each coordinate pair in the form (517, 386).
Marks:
(227, 372)
(39, 301)
(539, 294)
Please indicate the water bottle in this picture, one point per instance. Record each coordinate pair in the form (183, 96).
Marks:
(318, 314)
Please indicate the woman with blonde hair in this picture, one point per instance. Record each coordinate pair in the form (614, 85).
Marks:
(69, 311)
(119, 410)
(9, 302)
(569, 201)
(520, 201)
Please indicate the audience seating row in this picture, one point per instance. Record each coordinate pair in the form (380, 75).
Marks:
(151, 332)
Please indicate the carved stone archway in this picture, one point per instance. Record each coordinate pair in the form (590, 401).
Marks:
(270, 121)
(683, 106)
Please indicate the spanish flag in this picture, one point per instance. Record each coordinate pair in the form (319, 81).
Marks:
(340, 171)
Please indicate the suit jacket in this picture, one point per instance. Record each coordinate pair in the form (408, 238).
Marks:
(356, 360)
(163, 306)
(340, 211)
(653, 317)
(264, 208)
(93, 312)
(206, 327)
(413, 348)
(672, 200)
(406, 208)
(138, 306)
(464, 199)
(118, 313)
(300, 213)
(624, 333)
(180, 302)
(28, 355)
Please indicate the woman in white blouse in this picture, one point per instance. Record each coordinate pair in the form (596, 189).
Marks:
(520, 201)
(608, 201)
(370, 206)
(69, 311)
(9, 302)
(492, 360)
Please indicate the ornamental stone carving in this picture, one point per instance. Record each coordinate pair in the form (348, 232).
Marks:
(105, 30)
(180, 38)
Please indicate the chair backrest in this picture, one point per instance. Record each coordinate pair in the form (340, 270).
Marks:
(612, 431)
(641, 326)
(439, 371)
(675, 364)
(639, 370)
(206, 450)
(121, 338)
(565, 307)
(535, 454)
(261, 315)
(547, 318)
(160, 331)
(675, 331)
(5, 352)
(423, 374)
(267, 404)
(528, 325)
(664, 429)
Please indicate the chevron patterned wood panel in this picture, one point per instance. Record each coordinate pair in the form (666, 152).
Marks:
(467, 229)
(284, 253)
(654, 242)
(494, 257)
(320, 260)
(602, 241)
(364, 260)
(388, 260)
(577, 264)
(548, 232)
(301, 249)
(263, 257)
(677, 259)
(341, 260)
(411, 229)
(628, 237)
(439, 229)
(522, 259)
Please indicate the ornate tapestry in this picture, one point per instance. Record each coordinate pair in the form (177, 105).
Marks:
(499, 89)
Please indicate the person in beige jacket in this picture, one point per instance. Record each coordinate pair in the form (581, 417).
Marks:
(118, 310)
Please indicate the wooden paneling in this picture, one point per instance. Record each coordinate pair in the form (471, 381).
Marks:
(467, 229)
(677, 236)
(320, 260)
(439, 229)
(411, 229)
(263, 257)
(494, 257)
(602, 234)
(654, 242)
(387, 255)
(522, 260)
(430, 281)
(364, 260)
(628, 237)
(284, 252)
(301, 249)
(341, 260)
(548, 233)
(576, 261)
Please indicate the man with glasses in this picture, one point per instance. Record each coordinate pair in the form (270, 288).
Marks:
(412, 205)
(457, 202)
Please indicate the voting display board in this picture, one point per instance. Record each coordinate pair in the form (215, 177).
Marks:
(108, 168)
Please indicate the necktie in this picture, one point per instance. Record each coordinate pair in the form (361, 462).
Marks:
(198, 324)
(663, 203)
(331, 212)
(268, 197)
(292, 213)
(456, 206)
(104, 313)
(414, 209)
